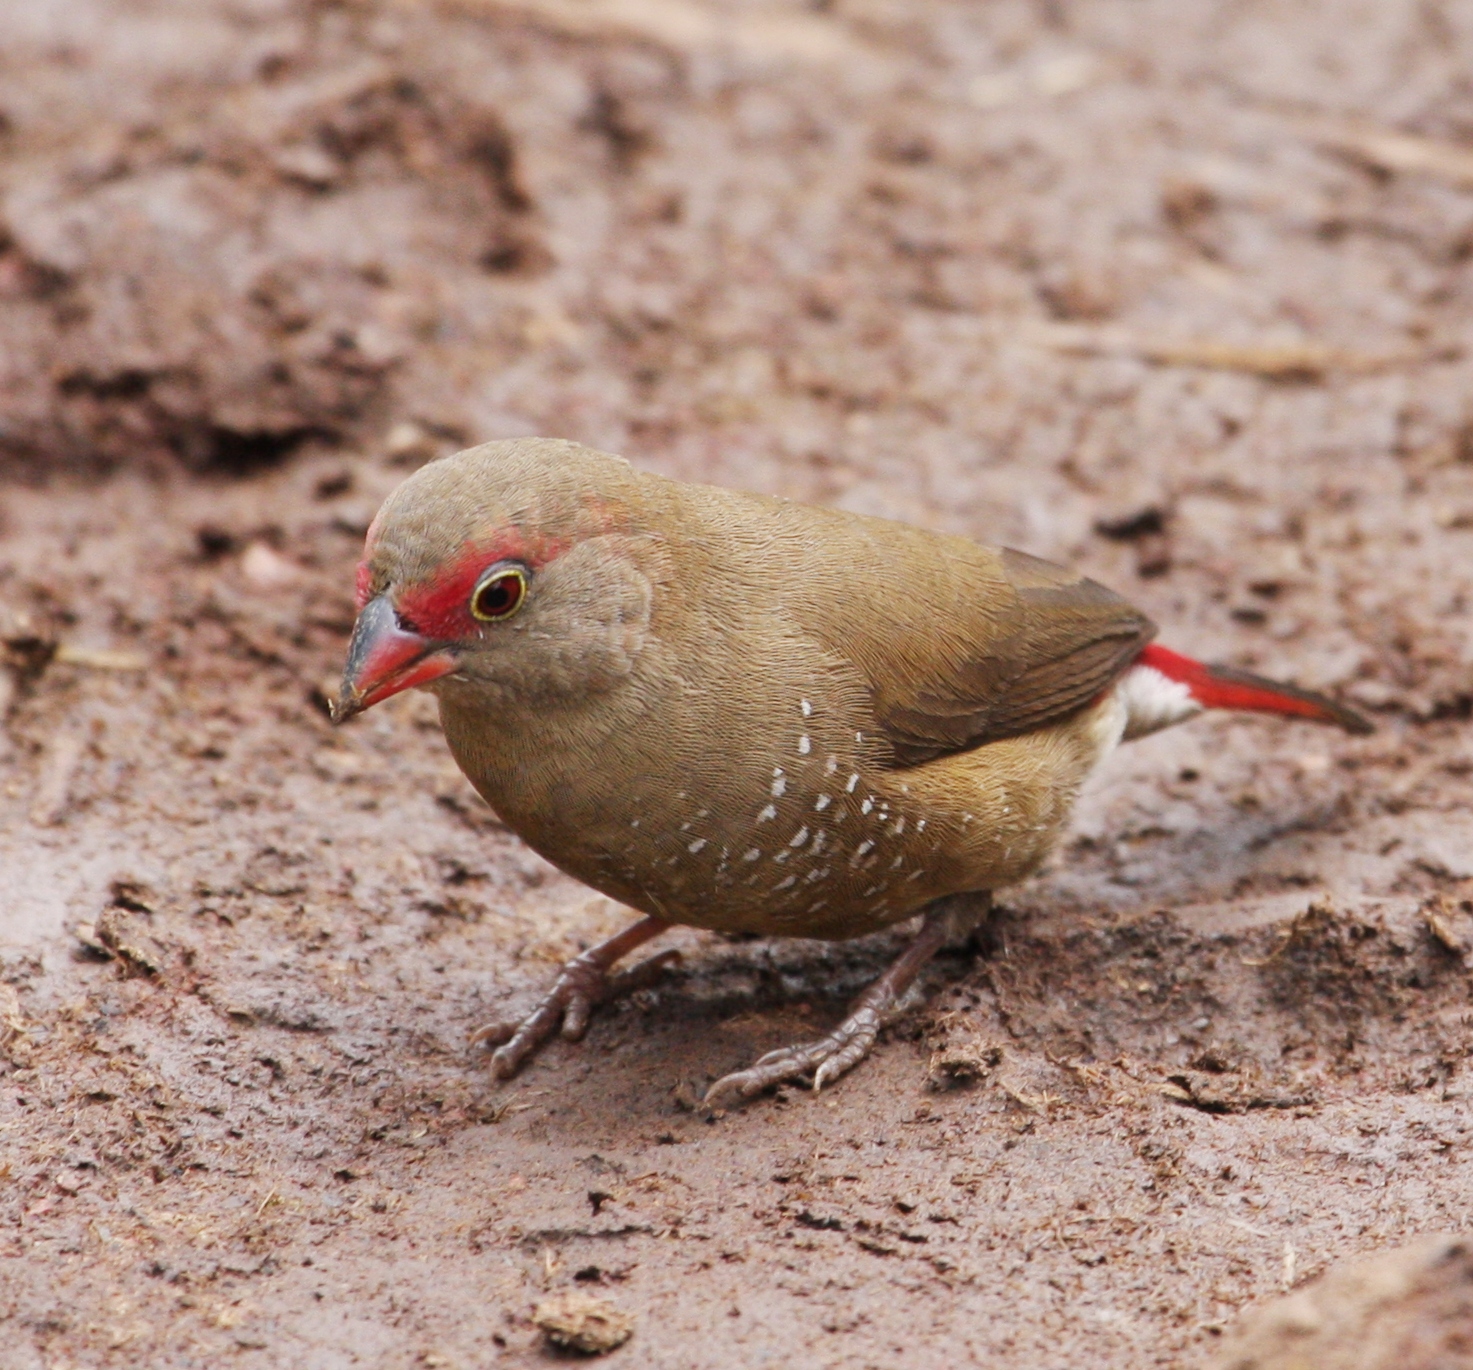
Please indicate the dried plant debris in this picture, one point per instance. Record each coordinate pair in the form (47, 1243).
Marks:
(13, 1029)
(582, 1322)
(1214, 1093)
(120, 934)
(1450, 921)
(961, 1064)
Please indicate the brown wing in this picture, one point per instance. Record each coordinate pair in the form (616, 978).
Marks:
(963, 645)
(1052, 644)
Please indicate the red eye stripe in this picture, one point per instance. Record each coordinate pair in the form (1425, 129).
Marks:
(440, 608)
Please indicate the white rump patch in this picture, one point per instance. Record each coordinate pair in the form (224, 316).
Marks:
(1153, 701)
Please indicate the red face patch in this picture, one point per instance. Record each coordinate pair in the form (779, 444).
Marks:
(439, 608)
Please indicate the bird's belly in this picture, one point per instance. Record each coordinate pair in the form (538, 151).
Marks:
(778, 874)
(833, 860)
(828, 850)
(835, 873)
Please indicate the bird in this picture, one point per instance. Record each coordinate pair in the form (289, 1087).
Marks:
(743, 713)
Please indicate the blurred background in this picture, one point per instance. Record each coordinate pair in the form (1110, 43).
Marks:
(1176, 292)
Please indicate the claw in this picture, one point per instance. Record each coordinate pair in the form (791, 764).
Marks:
(493, 1034)
(581, 986)
(827, 1059)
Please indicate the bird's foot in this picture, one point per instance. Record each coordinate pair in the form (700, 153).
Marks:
(581, 986)
(883, 1002)
(824, 1060)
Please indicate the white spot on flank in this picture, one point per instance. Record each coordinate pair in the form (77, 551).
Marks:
(803, 745)
(785, 884)
(696, 845)
(781, 857)
(864, 848)
(921, 826)
(896, 864)
(822, 802)
(634, 822)
(899, 826)
(853, 781)
(817, 875)
(832, 764)
(685, 827)
(779, 785)
(799, 838)
(818, 841)
(752, 854)
(915, 875)
(867, 805)
(806, 707)
(768, 812)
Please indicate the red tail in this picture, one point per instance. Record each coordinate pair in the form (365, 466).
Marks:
(1223, 687)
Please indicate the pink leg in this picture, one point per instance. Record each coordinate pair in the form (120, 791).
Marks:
(581, 985)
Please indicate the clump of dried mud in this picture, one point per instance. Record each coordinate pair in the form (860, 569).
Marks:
(1179, 295)
(1410, 1307)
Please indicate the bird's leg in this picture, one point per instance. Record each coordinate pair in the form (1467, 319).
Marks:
(849, 1043)
(581, 986)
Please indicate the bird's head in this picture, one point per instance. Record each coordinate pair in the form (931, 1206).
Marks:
(513, 569)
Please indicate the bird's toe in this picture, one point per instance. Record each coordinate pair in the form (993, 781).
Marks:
(824, 1060)
(493, 1034)
(775, 1068)
(844, 1058)
(582, 985)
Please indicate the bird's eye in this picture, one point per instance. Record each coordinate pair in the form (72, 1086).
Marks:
(499, 593)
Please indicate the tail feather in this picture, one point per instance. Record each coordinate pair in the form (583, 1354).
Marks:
(1226, 687)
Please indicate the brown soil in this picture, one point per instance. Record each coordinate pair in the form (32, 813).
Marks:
(1139, 285)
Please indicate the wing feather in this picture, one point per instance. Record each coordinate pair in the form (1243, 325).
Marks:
(998, 643)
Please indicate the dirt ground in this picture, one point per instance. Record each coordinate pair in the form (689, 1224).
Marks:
(1178, 293)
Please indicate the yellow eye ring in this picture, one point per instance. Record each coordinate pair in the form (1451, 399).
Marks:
(499, 594)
